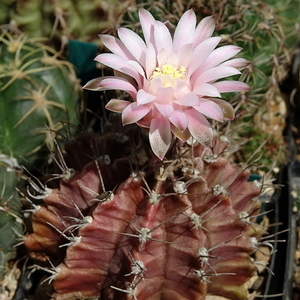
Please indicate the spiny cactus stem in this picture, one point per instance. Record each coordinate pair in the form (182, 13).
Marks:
(198, 221)
(145, 233)
(59, 20)
(264, 265)
(53, 271)
(131, 290)
(246, 217)
(20, 238)
(137, 267)
(67, 172)
(203, 275)
(265, 241)
(74, 240)
(33, 208)
(41, 189)
(7, 209)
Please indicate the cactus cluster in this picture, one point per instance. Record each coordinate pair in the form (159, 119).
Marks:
(179, 229)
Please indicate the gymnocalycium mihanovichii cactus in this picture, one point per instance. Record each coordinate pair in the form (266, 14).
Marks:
(182, 229)
(37, 88)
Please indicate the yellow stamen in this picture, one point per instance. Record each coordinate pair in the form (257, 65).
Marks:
(168, 69)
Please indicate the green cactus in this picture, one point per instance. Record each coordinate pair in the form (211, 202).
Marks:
(11, 217)
(80, 20)
(36, 89)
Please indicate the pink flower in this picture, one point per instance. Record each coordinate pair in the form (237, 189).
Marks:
(172, 80)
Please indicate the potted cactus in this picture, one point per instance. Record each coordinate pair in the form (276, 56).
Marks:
(160, 210)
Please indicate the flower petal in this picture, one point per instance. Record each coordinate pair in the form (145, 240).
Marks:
(201, 52)
(151, 61)
(165, 110)
(214, 74)
(182, 135)
(185, 30)
(162, 38)
(184, 55)
(115, 45)
(137, 67)
(199, 127)
(179, 120)
(210, 109)
(238, 63)
(160, 136)
(190, 99)
(164, 95)
(117, 105)
(219, 55)
(207, 89)
(162, 57)
(228, 86)
(144, 97)
(120, 64)
(133, 113)
(204, 30)
(111, 83)
(134, 44)
(182, 88)
(147, 22)
(227, 108)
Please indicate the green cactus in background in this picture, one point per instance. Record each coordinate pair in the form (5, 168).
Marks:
(36, 89)
(80, 20)
(11, 222)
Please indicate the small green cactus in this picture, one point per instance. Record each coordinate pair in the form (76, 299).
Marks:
(36, 89)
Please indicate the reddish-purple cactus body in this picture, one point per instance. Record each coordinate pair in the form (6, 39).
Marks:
(179, 232)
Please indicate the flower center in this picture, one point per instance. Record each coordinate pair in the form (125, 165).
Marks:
(167, 72)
